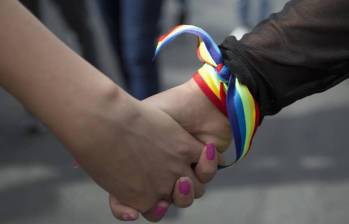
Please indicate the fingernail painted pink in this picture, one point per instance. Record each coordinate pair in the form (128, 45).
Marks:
(210, 151)
(184, 187)
(160, 211)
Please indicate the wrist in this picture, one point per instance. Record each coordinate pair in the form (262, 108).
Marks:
(209, 124)
(78, 124)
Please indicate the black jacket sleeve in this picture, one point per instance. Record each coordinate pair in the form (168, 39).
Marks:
(303, 49)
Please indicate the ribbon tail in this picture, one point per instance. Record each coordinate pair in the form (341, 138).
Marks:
(211, 48)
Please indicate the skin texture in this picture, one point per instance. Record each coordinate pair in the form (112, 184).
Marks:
(188, 105)
(131, 149)
(199, 117)
(183, 195)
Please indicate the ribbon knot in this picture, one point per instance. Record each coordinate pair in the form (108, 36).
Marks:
(222, 88)
(223, 72)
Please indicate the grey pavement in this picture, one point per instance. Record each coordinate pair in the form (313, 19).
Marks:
(296, 173)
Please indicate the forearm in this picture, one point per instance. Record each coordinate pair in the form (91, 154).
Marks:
(52, 81)
(302, 50)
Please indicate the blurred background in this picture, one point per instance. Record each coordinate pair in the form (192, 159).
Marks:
(297, 171)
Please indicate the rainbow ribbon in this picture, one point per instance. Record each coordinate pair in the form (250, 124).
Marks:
(223, 89)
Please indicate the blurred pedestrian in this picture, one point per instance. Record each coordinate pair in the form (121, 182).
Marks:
(134, 27)
(183, 11)
(131, 149)
(244, 12)
(76, 15)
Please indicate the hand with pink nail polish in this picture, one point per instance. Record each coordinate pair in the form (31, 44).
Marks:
(195, 113)
(131, 149)
(198, 116)
(185, 189)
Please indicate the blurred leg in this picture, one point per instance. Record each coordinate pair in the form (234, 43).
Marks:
(140, 28)
(183, 11)
(110, 10)
(33, 6)
(264, 9)
(244, 9)
(75, 13)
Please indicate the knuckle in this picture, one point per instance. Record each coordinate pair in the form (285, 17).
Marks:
(183, 148)
(189, 152)
(177, 168)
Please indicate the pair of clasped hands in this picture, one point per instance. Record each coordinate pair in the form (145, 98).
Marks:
(146, 154)
(173, 153)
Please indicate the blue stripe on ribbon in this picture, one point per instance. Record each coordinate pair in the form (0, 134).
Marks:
(210, 44)
(233, 117)
(241, 119)
(234, 103)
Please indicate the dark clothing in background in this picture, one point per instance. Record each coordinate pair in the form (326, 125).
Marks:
(244, 10)
(110, 10)
(76, 15)
(183, 12)
(134, 28)
(300, 51)
(140, 30)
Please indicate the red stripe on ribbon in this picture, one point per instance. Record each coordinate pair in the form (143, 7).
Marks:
(208, 92)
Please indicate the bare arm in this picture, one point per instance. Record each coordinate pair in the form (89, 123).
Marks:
(132, 150)
(45, 75)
